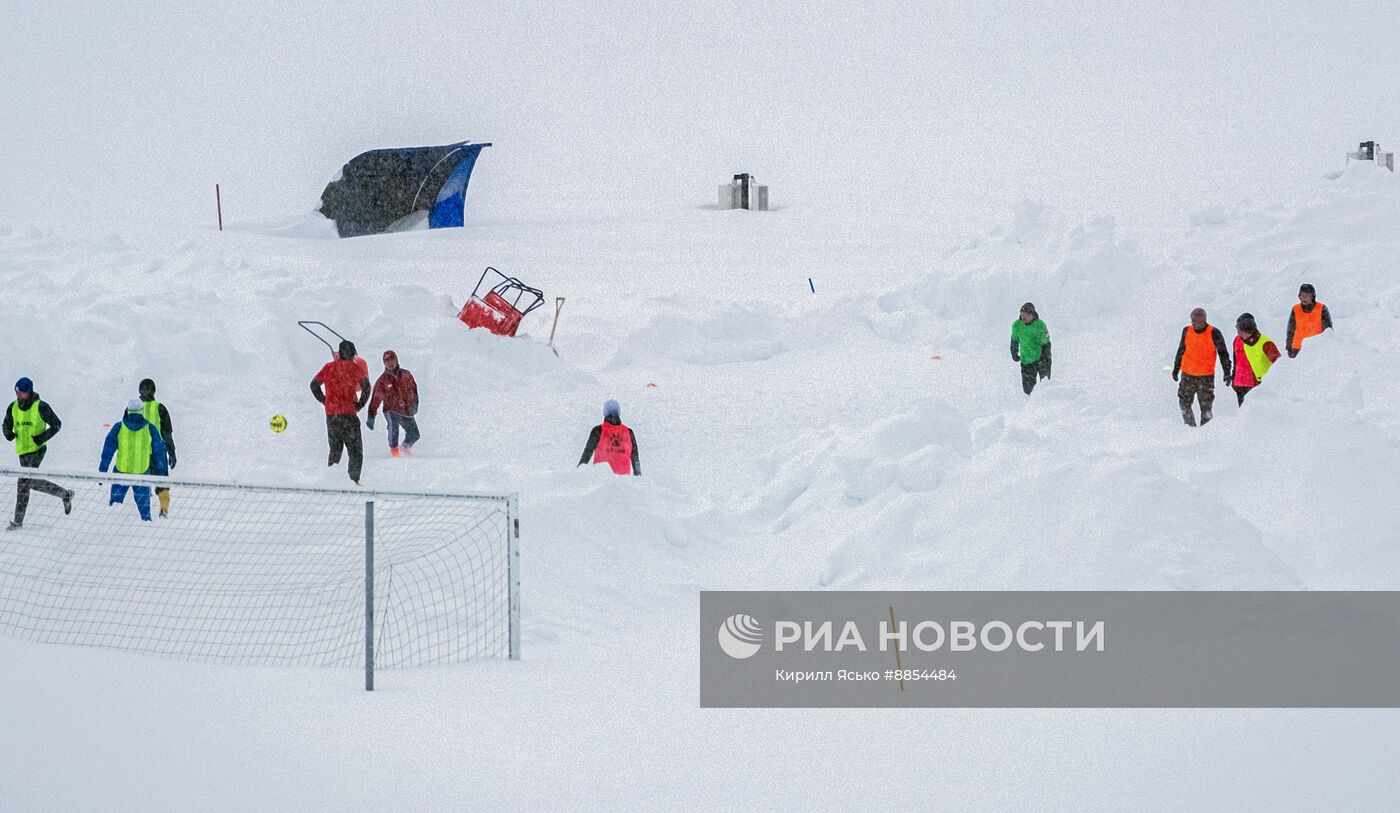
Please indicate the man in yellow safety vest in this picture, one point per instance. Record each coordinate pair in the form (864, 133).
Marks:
(139, 449)
(31, 424)
(158, 416)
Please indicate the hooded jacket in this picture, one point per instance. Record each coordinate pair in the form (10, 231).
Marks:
(396, 391)
(1030, 342)
(136, 422)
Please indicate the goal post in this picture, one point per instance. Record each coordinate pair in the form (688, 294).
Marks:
(260, 574)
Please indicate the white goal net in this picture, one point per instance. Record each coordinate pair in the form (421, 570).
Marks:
(260, 574)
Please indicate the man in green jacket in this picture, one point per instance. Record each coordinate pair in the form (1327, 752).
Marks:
(1030, 345)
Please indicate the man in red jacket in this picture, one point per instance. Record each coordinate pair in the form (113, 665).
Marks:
(346, 383)
(398, 392)
(612, 442)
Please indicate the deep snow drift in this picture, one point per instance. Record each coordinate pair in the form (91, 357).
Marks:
(928, 169)
(792, 441)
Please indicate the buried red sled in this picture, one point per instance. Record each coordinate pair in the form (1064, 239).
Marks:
(499, 308)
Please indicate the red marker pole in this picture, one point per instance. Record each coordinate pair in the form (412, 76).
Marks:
(219, 204)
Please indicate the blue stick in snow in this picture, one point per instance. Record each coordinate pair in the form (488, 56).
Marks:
(810, 285)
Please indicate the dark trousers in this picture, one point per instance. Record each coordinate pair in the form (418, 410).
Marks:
(28, 484)
(410, 430)
(1240, 391)
(1196, 388)
(1030, 373)
(343, 431)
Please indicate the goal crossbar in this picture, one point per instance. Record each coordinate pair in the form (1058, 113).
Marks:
(171, 482)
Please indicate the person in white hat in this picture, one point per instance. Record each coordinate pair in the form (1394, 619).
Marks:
(139, 449)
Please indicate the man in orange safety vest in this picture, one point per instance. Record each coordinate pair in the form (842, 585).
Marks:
(1308, 318)
(1201, 344)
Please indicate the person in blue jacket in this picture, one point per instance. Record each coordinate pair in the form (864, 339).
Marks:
(138, 449)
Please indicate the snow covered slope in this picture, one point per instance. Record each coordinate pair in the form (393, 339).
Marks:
(793, 439)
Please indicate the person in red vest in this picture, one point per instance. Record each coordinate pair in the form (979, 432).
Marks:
(1200, 345)
(1255, 353)
(398, 392)
(612, 442)
(342, 378)
(1308, 318)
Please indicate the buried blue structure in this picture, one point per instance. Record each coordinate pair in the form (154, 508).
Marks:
(400, 189)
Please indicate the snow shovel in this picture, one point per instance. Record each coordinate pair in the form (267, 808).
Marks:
(558, 306)
(306, 326)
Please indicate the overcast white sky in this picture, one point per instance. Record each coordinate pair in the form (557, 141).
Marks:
(122, 112)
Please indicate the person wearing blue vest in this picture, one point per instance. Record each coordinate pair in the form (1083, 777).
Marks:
(139, 449)
(31, 424)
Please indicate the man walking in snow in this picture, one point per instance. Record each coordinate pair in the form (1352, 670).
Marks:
(158, 416)
(1307, 319)
(614, 443)
(346, 391)
(1255, 353)
(31, 424)
(1030, 345)
(138, 448)
(398, 392)
(1200, 345)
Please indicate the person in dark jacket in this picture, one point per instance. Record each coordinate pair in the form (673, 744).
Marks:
(31, 424)
(158, 416)
(342, 379)
(138, 448)
(1307, 319)
(1030, 345)
(1201, 344)
(398, 392)
(614, 443)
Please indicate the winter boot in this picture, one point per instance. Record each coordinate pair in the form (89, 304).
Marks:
(1188, 416)
(15, 526)
(393, 451)
(1206, 416)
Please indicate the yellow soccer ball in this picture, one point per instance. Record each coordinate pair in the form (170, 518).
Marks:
(278, 423)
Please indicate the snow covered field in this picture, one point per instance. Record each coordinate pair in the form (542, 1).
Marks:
(793, 440)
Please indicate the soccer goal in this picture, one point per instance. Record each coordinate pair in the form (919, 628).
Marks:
(261, 574)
